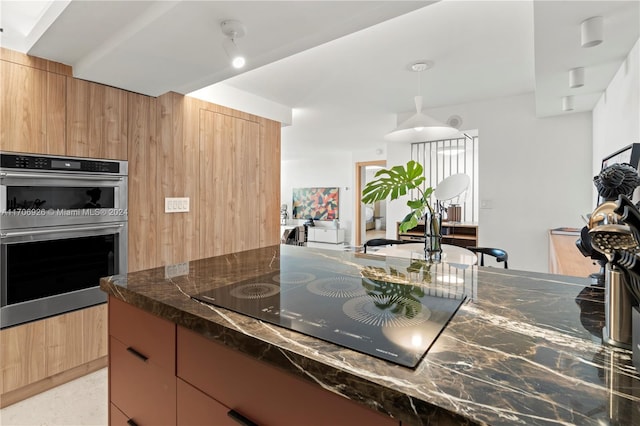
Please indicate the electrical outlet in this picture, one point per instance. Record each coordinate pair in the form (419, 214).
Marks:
(486, 204)
(176, 204)
(176, 270)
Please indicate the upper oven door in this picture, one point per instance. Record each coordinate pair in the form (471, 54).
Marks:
(32, 199)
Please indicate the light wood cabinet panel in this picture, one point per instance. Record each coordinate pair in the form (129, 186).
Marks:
(34, 62)
(31, 110)
(63, 342)
(144, 195)
(566, 259)
(96, 120)
(42, 354)
(56, 114)
(229, 184)
(94, 333)
(22, 355)
(177, 177)
(75, 338)
(269, 171)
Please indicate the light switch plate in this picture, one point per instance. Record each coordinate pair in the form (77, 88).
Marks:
(176, 204)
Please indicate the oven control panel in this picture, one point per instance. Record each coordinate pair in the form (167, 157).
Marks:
(34, 162)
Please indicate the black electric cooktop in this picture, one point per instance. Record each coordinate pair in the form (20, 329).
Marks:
(392, 321)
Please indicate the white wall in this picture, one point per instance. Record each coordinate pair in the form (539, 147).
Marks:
(616, 116)
(321, 170)
(535, 172)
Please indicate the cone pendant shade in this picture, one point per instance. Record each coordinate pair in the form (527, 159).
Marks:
(420, 127)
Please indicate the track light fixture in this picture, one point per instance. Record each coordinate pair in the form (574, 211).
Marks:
(591, 31)
(233, 30)
(576, 77)
(567, 103)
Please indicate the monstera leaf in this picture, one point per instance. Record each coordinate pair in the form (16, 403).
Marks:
(396, 182)
(393, 182)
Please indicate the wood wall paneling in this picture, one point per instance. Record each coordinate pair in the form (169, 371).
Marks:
(269, 172)
(96, 120)
(177, 170)
(144, 200)
(34, 62)
(29, 95)
(229, 184)
(56, 114)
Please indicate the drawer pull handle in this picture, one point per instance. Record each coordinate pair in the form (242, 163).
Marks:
(239, 418)
(137, 354)
(132, 422)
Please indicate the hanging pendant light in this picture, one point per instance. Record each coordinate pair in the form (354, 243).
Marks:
(420, 126)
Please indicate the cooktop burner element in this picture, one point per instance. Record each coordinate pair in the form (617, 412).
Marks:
(255, 291)
(388, 320)
(385, 311)
(339, 286)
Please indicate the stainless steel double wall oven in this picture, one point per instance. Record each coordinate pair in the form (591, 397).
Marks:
(63, 225)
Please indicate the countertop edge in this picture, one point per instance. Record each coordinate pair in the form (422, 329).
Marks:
(385, 400)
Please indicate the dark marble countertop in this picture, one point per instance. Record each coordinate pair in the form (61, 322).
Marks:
(523, 349)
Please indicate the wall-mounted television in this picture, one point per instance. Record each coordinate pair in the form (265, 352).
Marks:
(629, 154)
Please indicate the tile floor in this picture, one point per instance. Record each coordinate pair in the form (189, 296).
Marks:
(81, 402)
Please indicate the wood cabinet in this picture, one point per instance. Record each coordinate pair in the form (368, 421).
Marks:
(197, 408)
(260, 392)
(162, 374)
(96, 120)
(144, 197)
(43, 354)
(454, 233)
(565, 258)
(229, 184)
(142, 382)
(23, 356)
(32, 109)
(226, 162)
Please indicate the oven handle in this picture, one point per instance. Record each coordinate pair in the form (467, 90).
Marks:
(61, 229)
(61, 176)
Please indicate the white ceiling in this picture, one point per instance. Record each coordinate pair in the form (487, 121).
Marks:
(341, 66)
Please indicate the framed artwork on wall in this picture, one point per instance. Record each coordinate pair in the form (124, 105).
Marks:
(315, 203)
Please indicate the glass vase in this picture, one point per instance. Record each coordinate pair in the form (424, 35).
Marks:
(433, 237)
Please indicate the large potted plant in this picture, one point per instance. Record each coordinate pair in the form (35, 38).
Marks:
(396, 182)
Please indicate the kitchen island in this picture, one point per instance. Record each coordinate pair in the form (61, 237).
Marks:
(524, 348)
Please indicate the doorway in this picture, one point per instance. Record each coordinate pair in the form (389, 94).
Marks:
(370, 219)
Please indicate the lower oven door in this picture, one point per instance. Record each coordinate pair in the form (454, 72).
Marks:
(49, 271)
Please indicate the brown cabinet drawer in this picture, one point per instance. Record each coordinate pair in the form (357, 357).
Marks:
(144, 392)
(150, 336)
(196, 408)
(261, 392)
(117, 417)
